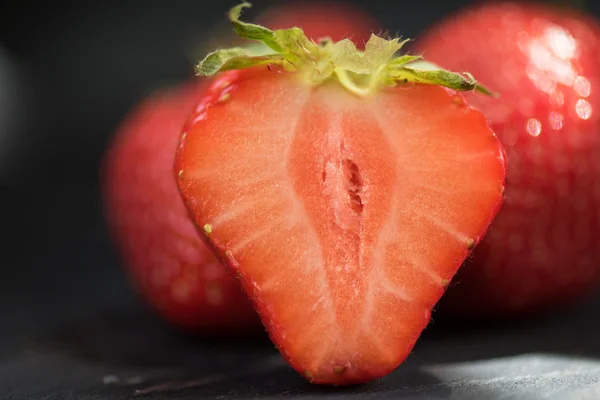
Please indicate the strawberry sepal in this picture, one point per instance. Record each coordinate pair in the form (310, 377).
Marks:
(361, 72)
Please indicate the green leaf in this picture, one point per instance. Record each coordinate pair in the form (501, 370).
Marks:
(294, 41)
(439, 77)
(432, 73)
(252, 31)
(213, 62)
(258, 49)
(403, 59)
(378, 52)
(235, 58)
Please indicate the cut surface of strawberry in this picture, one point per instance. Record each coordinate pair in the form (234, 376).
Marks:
(344, 206)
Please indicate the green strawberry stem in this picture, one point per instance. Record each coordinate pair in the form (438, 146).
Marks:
(360, 72)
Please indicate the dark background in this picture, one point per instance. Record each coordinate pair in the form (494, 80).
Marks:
(70, 327)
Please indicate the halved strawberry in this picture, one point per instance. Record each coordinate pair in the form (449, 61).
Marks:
(344, 195)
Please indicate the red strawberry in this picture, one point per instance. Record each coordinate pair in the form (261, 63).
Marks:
(343, 202)
(175, 272)
(169, 264)
(544, 247)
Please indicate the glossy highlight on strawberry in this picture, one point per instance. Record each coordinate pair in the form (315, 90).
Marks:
(343, 188)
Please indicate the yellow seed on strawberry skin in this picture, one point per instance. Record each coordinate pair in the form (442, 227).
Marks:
(458, 100)
(470, 243)
(224, 97)
(339, 369)
(309, 375)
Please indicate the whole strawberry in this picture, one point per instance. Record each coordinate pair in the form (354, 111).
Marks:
(343, 187)
(173, 270)
(543, 249)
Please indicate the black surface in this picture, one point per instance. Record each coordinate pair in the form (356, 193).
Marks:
(70, 327)
(94, 341)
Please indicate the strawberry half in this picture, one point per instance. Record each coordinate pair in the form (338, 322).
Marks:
(343, 194)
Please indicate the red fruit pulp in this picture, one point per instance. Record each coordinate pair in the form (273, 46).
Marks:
(344, 217)
(544, 248)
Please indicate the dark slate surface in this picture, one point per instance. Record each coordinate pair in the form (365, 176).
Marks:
(70, 328)
(96, 342)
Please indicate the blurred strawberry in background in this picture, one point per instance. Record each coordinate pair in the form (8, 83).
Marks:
(543, 249)
(176, 274)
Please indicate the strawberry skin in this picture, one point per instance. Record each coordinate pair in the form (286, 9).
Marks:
(543, 250)
(344, 217)
(172, 269)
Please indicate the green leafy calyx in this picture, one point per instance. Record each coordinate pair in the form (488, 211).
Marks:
(360, 71)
